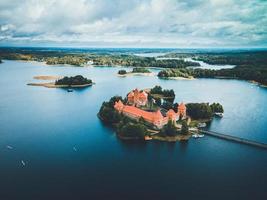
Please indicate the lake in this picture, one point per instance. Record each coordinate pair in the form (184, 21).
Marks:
(70, 154)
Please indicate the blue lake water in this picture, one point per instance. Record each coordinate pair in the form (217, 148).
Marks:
(44, 125)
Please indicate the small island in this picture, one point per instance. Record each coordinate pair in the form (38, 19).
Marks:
(65, 82)
(151, 114)
(136, 71)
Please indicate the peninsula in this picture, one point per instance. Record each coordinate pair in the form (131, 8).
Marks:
(152, 114)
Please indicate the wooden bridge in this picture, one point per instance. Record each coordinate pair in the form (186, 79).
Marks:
(234, 139)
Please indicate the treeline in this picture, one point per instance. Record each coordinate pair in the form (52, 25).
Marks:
(174, 73)
(249, 65)
(73, 80)
(136, 61)
(69, 60)
(80, 59)
(165, 93)
(140, 70)
(203, 110)
(244, 73)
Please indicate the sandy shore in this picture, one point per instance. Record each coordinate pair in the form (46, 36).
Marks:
(137, 74)
(53, 85)
(180, 78)
(47, 77)
(171, 139)
(257, 83)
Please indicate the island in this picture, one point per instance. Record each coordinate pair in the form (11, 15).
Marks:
(136, 71)
(65, 82)
(151, 114)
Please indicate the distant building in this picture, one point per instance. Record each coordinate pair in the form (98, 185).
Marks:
(154, 118)
(137, 98)
(90, 62)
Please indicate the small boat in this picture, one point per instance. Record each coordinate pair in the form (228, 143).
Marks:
(9, 147)
(201, 125)
(148, 137)
(218, 114)
(23, 163)
(196, 135)
(74, 149)
(70, 90)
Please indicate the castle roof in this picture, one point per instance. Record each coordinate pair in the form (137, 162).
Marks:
(149, 116)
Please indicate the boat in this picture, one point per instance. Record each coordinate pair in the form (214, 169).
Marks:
(196, 135)
(23, 163)
(201, 125)
(9, 147)
(218, 114)
(148, 137)
(70, 90)
(74, 149)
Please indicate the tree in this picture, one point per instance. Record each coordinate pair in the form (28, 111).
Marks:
(107, 112)
(158, 101)
(156, 90)
(169, 129)
(133, 130)
(122, 72)
(184, 129)
(216, 107)
(167, 105)
(109, 115)
(199, 110)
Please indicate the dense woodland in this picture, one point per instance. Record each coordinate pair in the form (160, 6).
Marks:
(249, 65)
(164, 92)
(73, 80)
(203, 110)
(140, 70)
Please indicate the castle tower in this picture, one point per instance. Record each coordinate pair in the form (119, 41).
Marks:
(181, 110)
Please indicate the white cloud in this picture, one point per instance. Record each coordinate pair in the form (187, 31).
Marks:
(174, 23)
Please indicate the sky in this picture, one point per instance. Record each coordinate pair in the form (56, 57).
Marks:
(134, 23)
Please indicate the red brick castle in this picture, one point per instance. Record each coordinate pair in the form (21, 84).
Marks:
(138, 98)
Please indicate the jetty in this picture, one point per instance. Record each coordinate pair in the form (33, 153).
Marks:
(235, 139)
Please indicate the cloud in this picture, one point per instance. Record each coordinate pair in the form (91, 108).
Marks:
(153, 23)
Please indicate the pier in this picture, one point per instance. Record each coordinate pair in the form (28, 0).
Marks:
(234, 139)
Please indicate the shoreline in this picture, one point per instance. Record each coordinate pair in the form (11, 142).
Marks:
(53, 85)
(137, 74)
(257, 83)
(45, 77)
(178, 78)
(170, 78)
